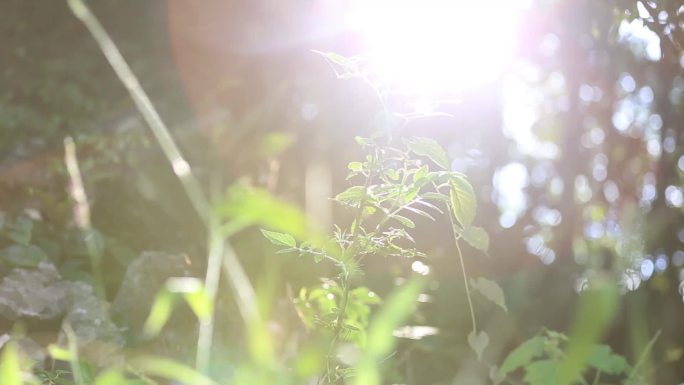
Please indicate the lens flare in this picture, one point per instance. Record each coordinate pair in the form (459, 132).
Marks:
(433, 46)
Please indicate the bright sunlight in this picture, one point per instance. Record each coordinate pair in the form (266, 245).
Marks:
(428, 47)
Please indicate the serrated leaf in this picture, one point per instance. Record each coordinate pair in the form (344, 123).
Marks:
(490, 290)
(435, 196)
(430, 205)
(477, 237)
(420, 173)
(280, 239)
(523, 354)
(603, 359)
(355, 166)
(404, 221)
(478, 342)
(361, 141)
(420, 212)
(542, 372)
(352, 195)
(429, 148)
(463, 203)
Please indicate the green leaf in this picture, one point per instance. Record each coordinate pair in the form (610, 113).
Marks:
(421, 173)
(247, 206)
(170, 369)
(274, 143)
(429, 148)
(20, 231)
(542, 372)
(194, 293)
(23, 255)
(361, 141)
(478, 342)
(477, 237)
(420, 212)
(160, 313)
(491, 290)
(355, 166)
(435, 196)
(10, 370)
(463, 202)
(595, 312)
(404, 221)
(111, 377)
(603, 359)
(279, 239)
(352, 195)
(380, 341)
(523, 354)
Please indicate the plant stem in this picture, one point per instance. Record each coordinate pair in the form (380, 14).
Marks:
(242, 288)
(463, 270)
(339, 321)
(642, 356)
(82, 216)
(597, 377)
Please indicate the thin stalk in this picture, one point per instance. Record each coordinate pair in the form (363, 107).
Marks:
(339, 321)
(597, 377)
(244, 292)
(74, 362)
(463, 270)
(643, 355)
(82, 215)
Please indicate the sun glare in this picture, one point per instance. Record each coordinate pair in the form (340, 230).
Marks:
(435, 46)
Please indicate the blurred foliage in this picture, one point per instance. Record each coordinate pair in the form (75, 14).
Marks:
(574, 160)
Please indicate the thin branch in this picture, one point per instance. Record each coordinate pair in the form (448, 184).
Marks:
(244, 292)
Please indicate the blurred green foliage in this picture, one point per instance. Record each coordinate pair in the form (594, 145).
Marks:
(600, 186)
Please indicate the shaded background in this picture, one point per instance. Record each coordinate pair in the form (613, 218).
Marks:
(576, 151)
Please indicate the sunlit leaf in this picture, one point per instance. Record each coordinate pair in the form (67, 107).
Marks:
(171, 370)
(10, 370)
(352, 195)
(542, 372)
(274, 143)
(59, 353)
(380, 341)
(435, 196)
(361, 141)
(111, 377)
(404, 221)
(160, 313)
(251, 206)
(429, 148)
(603, 359)
(523, 354)
(596, 310)
(478, 342)
(477, 237)
(355, 166)
(421, 213)
(463, 203)
(279, 239)
(490, 290)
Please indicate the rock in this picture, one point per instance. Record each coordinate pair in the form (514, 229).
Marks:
(42, 294)
(144, 277)
(39, 294)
